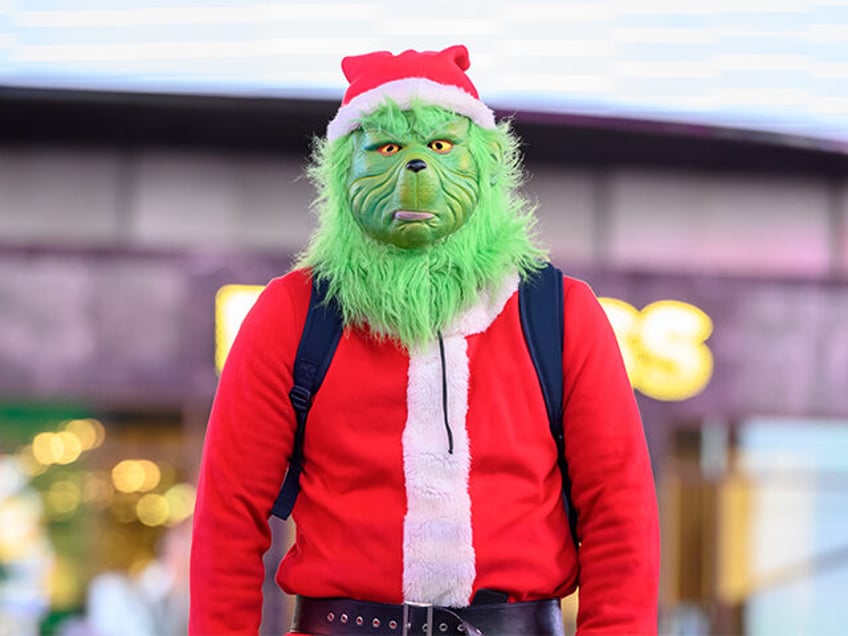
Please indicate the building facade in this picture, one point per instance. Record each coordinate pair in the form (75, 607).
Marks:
(722, 258)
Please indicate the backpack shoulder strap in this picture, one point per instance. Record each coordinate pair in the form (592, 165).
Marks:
(541, 307)
(318, 342)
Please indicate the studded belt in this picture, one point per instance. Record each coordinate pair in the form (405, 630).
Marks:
(343, 617)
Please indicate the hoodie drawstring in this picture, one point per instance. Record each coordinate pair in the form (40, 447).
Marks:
(445, 393)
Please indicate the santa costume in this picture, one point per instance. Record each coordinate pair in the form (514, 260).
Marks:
(387, 512)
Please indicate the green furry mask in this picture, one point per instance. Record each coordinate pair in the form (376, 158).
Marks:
(467, 228)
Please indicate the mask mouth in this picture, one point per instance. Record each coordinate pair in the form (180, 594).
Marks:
(412, 215)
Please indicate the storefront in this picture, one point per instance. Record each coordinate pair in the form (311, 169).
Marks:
(108, 368)
(106, 377)
(751, 472)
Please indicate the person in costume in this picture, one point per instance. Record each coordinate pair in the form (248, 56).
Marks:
(431, 500)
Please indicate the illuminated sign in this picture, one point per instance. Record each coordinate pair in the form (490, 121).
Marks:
(663, 345)
(232, 302)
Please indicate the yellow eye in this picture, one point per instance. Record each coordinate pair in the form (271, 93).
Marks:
(387, 150)
(442, 146)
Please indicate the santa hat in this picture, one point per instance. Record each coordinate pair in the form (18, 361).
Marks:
(428, 77)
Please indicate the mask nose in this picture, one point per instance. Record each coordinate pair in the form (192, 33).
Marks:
(416, 165)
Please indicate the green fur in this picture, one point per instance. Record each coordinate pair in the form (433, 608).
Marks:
(412, 294)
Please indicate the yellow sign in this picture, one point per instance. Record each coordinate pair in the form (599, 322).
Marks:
(232, 302)
(663, 345)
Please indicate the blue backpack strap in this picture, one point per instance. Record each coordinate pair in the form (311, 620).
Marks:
(318, 342)
(541, 307)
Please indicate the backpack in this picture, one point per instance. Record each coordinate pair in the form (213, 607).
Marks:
(540, 302)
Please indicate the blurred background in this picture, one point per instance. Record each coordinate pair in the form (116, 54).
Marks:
(690, 160)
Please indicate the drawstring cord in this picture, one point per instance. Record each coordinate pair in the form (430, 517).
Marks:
(445, 393)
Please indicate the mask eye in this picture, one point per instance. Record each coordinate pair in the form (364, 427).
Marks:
(387, 150)
(441, 146)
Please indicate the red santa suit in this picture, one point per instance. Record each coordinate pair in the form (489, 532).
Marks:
(386, 513)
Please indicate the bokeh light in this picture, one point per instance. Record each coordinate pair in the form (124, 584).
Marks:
(152, 510)
(89, 431)
(63, 448)
(136, 475)
(70, 446)
(63, 498)
(180, 500)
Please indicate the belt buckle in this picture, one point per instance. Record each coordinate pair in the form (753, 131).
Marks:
(408, 608)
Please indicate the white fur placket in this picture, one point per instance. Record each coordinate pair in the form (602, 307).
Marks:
(438, 548)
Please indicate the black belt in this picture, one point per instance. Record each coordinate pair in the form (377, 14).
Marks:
(344, 616)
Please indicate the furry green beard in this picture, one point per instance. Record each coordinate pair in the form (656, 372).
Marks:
(413, 294)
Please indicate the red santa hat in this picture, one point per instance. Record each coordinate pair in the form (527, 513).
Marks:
(429, 77)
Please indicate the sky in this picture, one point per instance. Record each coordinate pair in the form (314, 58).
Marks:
(769, 65)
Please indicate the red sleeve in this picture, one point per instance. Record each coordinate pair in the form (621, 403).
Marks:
(612, 483)
(248, 440)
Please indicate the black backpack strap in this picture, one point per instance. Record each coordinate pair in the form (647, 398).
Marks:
(318, 342)
(541, 307)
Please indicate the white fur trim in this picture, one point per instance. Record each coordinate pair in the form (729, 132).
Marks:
(477, 318)
(404, 92)
(438, 542)
(438, 550)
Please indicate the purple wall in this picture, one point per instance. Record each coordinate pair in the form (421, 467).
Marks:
(114, 326)
(132, 327)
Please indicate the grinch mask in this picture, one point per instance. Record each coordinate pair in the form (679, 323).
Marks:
(414, 182)
(419, 209)
(411, 293)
